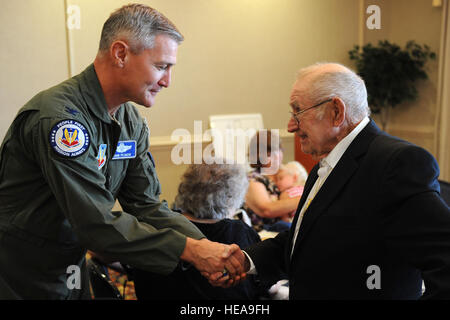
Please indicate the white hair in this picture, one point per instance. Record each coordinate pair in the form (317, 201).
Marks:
(343, 83)
(294, 167)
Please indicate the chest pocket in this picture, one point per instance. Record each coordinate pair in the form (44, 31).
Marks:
(115, 173)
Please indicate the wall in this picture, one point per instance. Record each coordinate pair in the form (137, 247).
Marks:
(238, 56)
(33, 55)
(443, 114)
(404, 20)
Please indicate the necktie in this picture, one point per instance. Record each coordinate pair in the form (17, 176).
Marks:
(323, 172)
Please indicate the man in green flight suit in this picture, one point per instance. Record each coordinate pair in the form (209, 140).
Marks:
(74, 149)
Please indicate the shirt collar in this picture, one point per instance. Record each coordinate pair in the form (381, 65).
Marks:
(93, 94)
(335, 155)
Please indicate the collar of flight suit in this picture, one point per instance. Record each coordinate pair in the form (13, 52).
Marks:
(93, 94)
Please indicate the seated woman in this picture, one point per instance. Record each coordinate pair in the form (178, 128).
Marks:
(262, 202)
(208, 195)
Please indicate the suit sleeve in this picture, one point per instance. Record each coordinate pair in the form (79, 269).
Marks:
(269, 258)
(417, 221)
(79, 189)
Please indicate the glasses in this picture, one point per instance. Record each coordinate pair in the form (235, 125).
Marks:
(295, 115)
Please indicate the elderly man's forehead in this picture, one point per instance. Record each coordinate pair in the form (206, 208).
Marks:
(298, 90)
(295, 94)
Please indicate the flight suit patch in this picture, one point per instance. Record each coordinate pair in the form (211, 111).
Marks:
(69, 138)
(101, 157)
(125, 150)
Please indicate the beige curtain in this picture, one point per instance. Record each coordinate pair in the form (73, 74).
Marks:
(443, 115)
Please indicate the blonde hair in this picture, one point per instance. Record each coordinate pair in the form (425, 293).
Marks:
(294, 167)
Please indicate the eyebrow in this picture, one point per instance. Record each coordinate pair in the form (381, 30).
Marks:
(169, 64)
(294, 105)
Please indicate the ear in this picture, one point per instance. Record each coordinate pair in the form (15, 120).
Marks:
(119, 53)
(338, 111)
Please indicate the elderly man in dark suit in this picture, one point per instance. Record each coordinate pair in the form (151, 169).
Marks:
(371, 223)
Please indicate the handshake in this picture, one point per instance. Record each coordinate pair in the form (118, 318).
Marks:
(223, 265)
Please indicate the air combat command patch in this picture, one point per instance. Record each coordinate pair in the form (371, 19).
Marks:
(69, 138)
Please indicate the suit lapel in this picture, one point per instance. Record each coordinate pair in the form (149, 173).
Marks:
(334, 184)
(312, 177)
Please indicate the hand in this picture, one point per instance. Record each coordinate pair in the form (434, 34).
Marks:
(218, 280)
(213, 258)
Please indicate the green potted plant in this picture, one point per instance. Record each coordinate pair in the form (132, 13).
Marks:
(390, 73)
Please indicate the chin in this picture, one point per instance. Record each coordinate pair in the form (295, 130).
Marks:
(146, 102)
(305, 149)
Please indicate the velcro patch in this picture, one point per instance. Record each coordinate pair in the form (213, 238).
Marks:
(125, 150)
(69, 138)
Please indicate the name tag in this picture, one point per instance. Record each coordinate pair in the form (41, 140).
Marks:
(125, 150)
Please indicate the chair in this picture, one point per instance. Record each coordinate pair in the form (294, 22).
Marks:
(102, 286)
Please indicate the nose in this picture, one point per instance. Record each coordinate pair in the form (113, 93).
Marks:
(166, 78)
(292, 125)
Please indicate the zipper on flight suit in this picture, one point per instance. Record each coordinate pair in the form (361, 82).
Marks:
(116, 130)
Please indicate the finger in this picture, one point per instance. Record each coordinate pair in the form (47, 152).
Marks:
(225, 283)
(216, 276)
(238, 260)
(219, 282)
(229, 250)
(236, 280)
(233, 266)
(229, 283)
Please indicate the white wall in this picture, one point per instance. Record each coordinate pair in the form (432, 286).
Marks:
(33, 55)
(404, 20)
(238, 56)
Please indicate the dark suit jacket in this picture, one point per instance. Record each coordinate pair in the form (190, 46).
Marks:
(380, 206)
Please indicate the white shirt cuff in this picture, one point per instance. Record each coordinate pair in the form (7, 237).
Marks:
(252, 269)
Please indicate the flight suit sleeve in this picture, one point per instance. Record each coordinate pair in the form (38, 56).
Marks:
(140, 190)
(79, 189)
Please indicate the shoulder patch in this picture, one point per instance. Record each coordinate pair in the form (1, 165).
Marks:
(69, 138)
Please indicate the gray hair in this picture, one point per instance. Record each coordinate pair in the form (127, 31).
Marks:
(211, 191)
(345, 84)
(138, 24)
